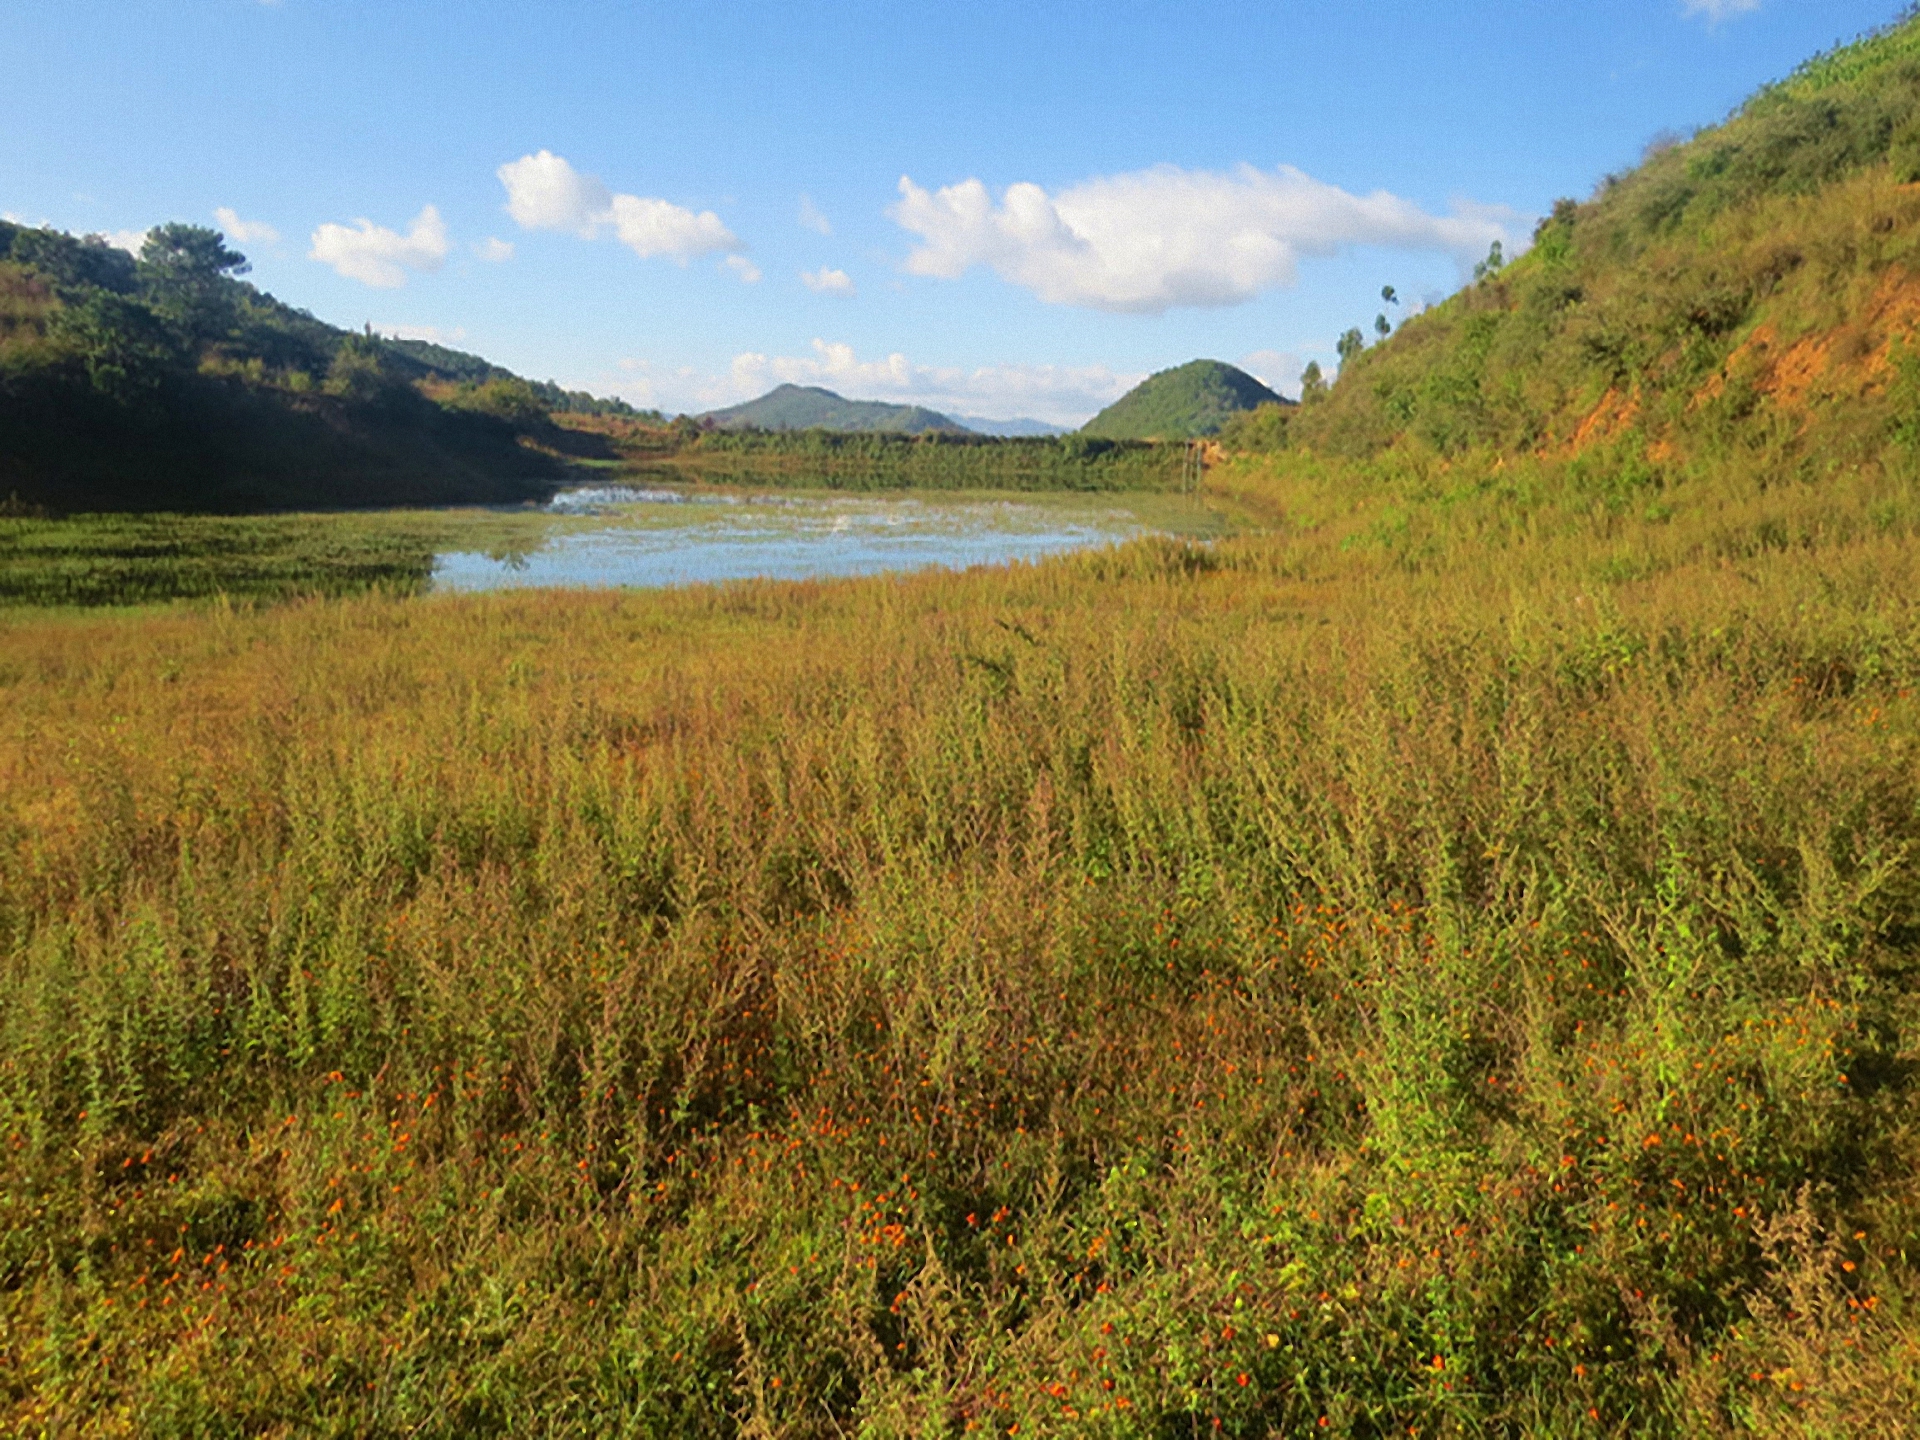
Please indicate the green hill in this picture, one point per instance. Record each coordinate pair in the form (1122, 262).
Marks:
(167, 382)
(1190, 400)
(1740, 305)
(808, 407)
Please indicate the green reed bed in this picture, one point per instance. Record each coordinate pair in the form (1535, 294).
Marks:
(933, 461)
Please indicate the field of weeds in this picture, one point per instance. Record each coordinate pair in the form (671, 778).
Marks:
(1446, 966)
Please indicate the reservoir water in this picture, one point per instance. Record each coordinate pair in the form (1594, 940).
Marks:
(609, 536)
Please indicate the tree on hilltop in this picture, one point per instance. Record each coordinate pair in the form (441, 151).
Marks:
(187, 271)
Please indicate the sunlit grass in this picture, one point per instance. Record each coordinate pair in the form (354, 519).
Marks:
(1441, 965)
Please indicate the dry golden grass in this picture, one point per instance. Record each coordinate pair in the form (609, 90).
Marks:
(1446, 965)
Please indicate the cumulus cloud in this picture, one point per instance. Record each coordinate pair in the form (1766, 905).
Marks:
(1062, 394)
(245, 232)
(377, 256)
(544, 192)
(1154, 240)
(812, 219)
(494, 251)
(825, 281)
(131, 241)
(657, 227)
(745, 269)
(1718, 10)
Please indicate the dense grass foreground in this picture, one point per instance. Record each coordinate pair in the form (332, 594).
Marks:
(1301, 986)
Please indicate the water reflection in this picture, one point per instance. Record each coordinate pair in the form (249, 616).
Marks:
(642, 537)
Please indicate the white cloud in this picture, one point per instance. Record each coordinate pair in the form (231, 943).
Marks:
(1062, 394)
(544, 192)
(1156, 239)
(812, 219)
(245, 232)
(131, 241)
(748, 272)
(1718, 10)
(377, 256)
(494, 251)
(827, 282)
(424, 332)
(657, 227)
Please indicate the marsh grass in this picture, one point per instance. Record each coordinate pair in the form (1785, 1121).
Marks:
(88, 561)
(1445, 966)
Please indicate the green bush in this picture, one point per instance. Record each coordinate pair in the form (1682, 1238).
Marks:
(510, 399)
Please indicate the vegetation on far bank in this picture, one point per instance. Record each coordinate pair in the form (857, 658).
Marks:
(932, 460)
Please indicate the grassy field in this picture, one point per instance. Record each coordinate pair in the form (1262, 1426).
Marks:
(1444, 967)
(1445, 964)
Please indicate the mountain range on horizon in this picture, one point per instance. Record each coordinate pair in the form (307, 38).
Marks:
(1184, 402)
(1021, 428)
(813, 407)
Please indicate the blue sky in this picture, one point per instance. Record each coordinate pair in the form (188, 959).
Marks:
(999, 209)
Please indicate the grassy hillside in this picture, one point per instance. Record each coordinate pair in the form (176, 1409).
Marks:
(808, 407)
(1190, 400)
(169, 383)
(1742, 302)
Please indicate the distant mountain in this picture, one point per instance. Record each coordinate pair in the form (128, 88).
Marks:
(1011, 429)
(1191, 400)
(808, 407)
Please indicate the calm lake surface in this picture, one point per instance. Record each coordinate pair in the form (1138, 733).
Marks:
(615, 536)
